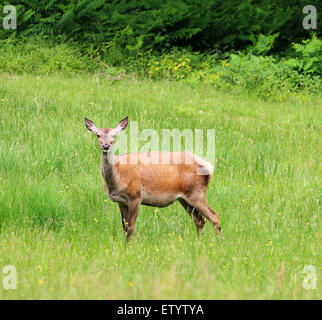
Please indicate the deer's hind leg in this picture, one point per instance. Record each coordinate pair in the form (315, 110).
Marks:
(200, 203)
(198, 219)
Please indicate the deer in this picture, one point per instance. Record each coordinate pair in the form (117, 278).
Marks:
(132, 183)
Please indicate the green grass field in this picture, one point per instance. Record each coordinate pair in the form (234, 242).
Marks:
(64, 236)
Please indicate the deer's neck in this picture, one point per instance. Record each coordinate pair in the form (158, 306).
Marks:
(108, 169)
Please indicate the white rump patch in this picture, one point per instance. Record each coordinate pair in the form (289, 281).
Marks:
(206, 167)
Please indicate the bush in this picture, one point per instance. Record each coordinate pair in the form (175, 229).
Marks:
(41, 56)
(265, 74)
(120, 28)
(308, 57)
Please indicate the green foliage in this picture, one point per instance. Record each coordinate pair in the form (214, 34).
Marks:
(172, 66)
(122, 28)
(308, 56)
(264, 74)
(41, 56)
(262, 44)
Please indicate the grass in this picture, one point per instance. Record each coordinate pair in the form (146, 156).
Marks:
(63, 235)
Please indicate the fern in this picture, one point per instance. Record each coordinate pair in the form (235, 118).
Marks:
(263, 26)
(263, 44)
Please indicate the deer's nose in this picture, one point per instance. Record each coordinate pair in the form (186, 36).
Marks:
(106, 146)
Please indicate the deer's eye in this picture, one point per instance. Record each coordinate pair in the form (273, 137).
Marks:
(98, 136)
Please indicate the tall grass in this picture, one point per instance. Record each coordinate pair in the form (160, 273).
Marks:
(63, 235)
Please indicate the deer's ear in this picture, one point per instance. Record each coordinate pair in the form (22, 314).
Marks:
(90, 125)
(122, 125)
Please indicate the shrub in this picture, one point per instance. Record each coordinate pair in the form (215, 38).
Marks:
(41, 56)
(266, 74)
(308, 57)
(160, 25)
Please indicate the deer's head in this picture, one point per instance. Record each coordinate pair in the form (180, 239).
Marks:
(106, 136)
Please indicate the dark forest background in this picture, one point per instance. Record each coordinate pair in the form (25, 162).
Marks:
(180, 39)
(160, 25)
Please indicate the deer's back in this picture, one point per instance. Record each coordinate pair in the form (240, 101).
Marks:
(161, 176)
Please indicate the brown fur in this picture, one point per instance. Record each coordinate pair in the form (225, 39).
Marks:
(144, 182)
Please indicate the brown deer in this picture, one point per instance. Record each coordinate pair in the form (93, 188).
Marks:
(154, 184)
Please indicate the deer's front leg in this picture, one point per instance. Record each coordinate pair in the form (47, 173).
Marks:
(133, 212)
(125, 216)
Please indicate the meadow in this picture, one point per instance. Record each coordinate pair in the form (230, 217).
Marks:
(64, 236)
